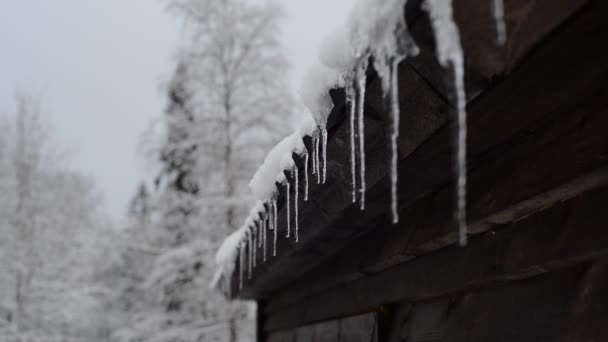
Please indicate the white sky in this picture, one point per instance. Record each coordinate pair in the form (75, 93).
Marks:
(98, 66)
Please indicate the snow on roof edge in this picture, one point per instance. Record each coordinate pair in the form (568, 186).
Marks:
(377, 30)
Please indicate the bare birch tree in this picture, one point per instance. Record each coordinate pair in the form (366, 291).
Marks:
(236, 69)
(228, 104)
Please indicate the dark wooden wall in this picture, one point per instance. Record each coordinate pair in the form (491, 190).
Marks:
(360, 328)
(536, 267)
(542, 278)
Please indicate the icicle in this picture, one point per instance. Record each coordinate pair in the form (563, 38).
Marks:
(264, 229)
(253, 251)
(306, 176)
(255, 241)
(276, 228)
(250, 256)
(287, 193)
(270, 220)
(241, 265)
(295, 200)
(361, 82)
(461, 214)
(499, 18)
(317, 165)
(350, 99)
(247, 258)
(324, 148)
(314, 154)
(259, 244)
(449, 53)
(274, 215)
(394, 99)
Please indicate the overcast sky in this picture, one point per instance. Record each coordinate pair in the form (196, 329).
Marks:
(98, 65)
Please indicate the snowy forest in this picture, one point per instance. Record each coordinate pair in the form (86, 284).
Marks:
(70, 273)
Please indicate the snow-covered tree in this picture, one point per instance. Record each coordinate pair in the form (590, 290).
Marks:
(235, 71)
(139, 208)
(48, 227)
(228, 104)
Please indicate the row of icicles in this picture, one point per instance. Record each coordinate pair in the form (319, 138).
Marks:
(256, 236)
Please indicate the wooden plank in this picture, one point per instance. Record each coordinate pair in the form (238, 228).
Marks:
(566, 234)
(423, 322)
(260, 334)
(561, 306)
(360, 328)
(399, 314)
(305, 334)
(533, 310)
(281, 336)
(588, 314)
(388, 246)
(327, 331)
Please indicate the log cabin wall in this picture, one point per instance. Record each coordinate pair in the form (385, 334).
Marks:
(536, 266)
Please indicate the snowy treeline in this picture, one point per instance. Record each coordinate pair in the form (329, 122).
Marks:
(53, 240)
(228, 103)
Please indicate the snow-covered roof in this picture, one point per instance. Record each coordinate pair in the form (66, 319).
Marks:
(374, 31)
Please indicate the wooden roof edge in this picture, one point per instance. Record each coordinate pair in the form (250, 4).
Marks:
(296, 259)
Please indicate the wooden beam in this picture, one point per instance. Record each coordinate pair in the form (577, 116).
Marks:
(386, 246)
(567, 234)
(560, 306)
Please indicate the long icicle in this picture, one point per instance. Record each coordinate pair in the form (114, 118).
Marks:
(499, 18)
(314, 155)
(255, 248)
(270, 220)
(317, 164)
(295, 201)
(265, 230)
(461, 214)
(450, 54)
(394, 99)
(241, 265)
(252, 253)
(258, 232)
(250, 256)
(324, 149)
(287, 194)
(361, 82)
(246, 255)
(306, 176)
(271, 227)
(353, 162)
(276, 227)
